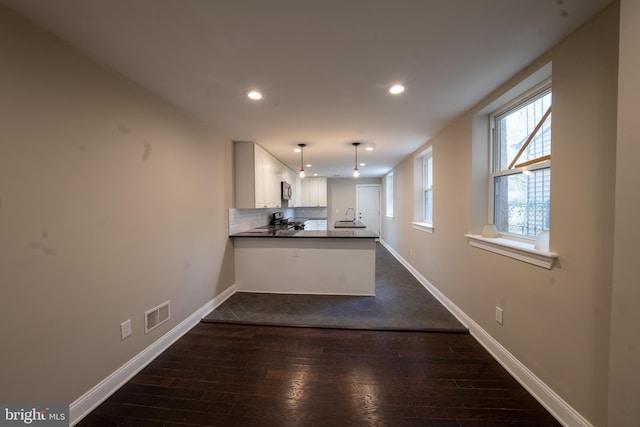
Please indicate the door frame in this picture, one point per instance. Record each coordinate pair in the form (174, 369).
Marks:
(379, 186)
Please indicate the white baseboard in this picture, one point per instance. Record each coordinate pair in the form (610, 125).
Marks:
(548, 398)
(86, 403)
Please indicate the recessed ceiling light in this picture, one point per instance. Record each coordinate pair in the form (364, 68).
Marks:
(254, 94)
(308, 165)
(396, 89)
(296, 150)
(363, 164)
(369, 148)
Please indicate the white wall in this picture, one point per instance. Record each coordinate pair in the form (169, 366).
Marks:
(556, 322)
(624, 383)
(111, 202)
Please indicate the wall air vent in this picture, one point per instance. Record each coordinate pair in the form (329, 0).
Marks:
(156, 316)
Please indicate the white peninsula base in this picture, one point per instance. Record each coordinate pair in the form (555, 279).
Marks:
(306, 265)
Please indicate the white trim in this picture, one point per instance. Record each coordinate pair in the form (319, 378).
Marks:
(82, 406)
(524, 92)
(426, 188)
(423, 226)
(548, 398)
(388, 193)
(546, 164)
(513, 249)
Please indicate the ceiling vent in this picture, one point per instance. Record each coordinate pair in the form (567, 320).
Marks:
(157, 316)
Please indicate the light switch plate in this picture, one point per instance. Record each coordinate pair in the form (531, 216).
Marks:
(125, 329)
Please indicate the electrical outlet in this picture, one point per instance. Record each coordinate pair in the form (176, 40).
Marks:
(498, 315)
(125, 329)
(411, 251)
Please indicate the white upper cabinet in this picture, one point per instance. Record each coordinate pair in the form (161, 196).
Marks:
(260, 199)
(258, 176)
(314, 192)
(296, 188)
(271, 178)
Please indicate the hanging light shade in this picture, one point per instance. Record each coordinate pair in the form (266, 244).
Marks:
(302, 159)
(356, 171)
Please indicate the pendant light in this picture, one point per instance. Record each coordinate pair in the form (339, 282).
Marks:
(302, 159)
(356, 171)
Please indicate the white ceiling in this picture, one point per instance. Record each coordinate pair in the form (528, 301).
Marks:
(322, 65)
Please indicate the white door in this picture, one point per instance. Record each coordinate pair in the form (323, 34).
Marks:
(368, 206)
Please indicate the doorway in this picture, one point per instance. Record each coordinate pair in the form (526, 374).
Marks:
(368, 206)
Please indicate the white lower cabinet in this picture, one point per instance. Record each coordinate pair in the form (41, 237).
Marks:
(316, 224)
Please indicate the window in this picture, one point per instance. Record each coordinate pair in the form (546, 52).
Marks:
(389, 195)
(521, 165)
(423, 191)
(427, 188)
(514, 132)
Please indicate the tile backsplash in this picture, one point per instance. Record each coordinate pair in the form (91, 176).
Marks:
(245, 219)
(311, 213)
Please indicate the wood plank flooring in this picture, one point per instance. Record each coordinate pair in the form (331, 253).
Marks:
(245, 375)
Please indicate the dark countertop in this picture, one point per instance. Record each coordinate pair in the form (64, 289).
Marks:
(348, 224)
(278, 231)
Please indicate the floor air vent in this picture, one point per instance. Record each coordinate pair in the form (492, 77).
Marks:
(156, 316)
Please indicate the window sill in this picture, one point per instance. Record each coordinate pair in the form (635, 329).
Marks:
(513, 249)
(423, 226)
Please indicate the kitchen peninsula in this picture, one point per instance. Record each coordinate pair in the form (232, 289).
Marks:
(295, 253)
(326, 262)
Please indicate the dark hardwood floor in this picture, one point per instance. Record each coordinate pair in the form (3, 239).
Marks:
(243, 375)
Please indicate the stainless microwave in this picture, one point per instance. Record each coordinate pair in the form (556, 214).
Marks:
(286, 191)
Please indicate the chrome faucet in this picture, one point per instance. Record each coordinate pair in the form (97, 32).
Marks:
(346, 214)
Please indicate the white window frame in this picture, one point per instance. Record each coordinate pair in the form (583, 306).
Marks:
(510, 245)
(427, 187)
(389, 195)
(531, 94)
(421, 222)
